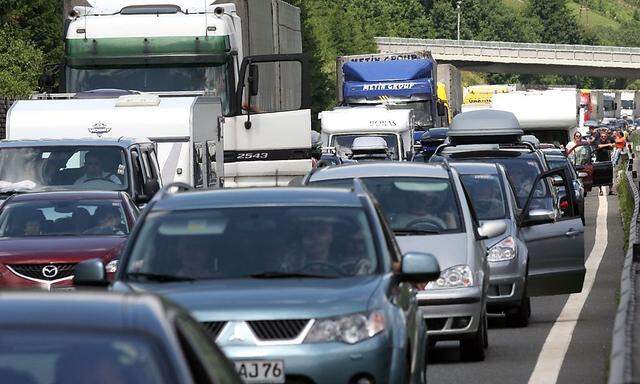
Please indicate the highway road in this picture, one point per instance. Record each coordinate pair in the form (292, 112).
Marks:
(568, 339)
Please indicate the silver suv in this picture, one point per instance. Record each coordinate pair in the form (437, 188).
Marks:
(429, 211)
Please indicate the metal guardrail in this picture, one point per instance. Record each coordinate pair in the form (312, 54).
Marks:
(621, 362)
(580, 53)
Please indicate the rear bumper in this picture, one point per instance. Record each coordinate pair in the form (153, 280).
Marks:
(452, 314)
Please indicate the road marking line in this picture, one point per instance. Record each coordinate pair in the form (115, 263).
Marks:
(555, 347)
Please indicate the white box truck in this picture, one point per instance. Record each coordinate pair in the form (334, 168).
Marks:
(245, 52)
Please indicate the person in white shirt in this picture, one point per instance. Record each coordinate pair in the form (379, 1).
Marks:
(94, 170)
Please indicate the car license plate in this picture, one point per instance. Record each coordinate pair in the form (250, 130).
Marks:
(260, 371)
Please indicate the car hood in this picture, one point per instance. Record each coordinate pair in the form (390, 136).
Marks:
(67, 249)
(261, 299)
(449, 249)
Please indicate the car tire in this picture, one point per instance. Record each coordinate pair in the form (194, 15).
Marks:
(519, 317)
(473, 348)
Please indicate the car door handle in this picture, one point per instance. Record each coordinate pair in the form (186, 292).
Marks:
(571, 233)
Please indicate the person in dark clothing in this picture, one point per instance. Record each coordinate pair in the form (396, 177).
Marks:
(604, 146)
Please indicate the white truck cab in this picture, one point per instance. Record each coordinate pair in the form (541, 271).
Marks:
(341, 126)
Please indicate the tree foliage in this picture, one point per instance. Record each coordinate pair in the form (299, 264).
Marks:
(21, 65)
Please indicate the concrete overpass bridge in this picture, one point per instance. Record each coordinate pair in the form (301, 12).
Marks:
(525, 58)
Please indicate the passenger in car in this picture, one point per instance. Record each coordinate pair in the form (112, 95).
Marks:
(109, 221)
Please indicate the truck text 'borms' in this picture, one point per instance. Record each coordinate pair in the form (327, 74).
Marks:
(400, 80)
(247, 53)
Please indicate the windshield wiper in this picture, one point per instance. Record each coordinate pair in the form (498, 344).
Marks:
(413, 232)
(159, 277)
(288, 275)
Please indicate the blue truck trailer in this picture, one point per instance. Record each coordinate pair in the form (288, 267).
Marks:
(401, 81)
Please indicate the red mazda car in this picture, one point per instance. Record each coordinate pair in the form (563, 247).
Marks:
(44, 235)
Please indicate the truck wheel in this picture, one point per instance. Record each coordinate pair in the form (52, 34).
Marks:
(472, 349)
(519, 317)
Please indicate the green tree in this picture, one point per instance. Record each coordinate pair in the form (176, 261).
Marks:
(37, 21)
(21, 65)
(558, 24)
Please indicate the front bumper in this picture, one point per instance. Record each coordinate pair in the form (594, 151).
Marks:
(452, 314)
(324, 362)
(506, 285)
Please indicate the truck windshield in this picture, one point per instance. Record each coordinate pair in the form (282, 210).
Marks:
(421, 112)
(211, 78)
(30, 169)
(255, 242)
(343, 144)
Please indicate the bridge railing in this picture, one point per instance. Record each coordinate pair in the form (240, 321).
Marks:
(518, 50)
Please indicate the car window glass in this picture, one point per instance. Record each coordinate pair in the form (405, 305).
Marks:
(222, 243)
(412, 203)
(137, 169)
(47, 356)
(33, 169)
(147, 164)
(343, 144)
(63, 218)
(487, 196)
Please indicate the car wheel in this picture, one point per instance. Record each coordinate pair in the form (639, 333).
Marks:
(472, 349)
(519, 317)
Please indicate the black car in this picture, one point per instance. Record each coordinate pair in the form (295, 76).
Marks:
(78, 338)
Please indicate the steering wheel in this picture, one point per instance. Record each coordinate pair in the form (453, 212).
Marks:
(325, 265)
(437, 225)
(106, 178)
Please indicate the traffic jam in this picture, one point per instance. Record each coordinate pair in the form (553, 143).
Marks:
(170, 235)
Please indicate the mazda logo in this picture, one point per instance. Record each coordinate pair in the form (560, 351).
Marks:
(50, 271)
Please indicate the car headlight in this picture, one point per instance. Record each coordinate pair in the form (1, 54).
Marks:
(503, 251)
(350, 329)
(112, 266)
(459, 276)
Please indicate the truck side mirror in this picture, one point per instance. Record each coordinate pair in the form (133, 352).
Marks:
(442, 110)
(151, 187)
(254, 79)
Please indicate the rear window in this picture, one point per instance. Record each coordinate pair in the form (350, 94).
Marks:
(46, 357)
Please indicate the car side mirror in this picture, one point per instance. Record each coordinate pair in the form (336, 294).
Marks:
(493, 228)
(254, 79)
(419, 268)
(539, 216)
(90, 273)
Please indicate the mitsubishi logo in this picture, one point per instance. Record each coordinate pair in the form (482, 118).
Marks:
(100, 128)
(50, 271)
(237, 334)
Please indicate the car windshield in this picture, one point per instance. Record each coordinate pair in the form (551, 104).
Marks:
(231, 243)
(343, 144)
(63, 218)
(487, 196)
(212, 78)
(412, 204)
(31, 169)
(47, 356)
(421, 112)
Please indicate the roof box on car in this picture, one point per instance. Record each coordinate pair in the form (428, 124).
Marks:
(485, 127)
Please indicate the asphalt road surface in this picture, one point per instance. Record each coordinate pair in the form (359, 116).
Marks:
(572, 348)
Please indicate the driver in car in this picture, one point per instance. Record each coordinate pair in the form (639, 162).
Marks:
(94, 170)
(425, 211)
(312, 251)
